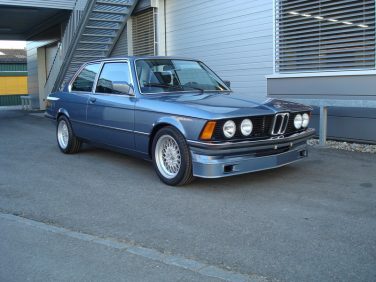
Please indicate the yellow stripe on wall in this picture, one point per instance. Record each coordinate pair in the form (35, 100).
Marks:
(13, 85)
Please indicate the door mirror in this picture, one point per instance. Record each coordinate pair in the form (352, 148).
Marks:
(120, 87)
(227, 83)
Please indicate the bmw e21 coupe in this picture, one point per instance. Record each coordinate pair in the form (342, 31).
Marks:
(179, 114)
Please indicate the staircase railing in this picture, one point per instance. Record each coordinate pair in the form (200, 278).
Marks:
(68, 43)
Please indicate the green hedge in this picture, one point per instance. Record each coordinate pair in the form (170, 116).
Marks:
(10, 100)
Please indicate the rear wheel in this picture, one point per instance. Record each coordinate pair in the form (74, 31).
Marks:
(66, 140)
(171, 157)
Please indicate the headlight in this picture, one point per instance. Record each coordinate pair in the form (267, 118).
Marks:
(246, 127)
(305, 121)
(298, 120)
(229, 128)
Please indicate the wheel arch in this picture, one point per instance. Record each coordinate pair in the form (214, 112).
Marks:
(61, 112)
(164, 122)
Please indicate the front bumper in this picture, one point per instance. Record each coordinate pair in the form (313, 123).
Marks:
(214, 160)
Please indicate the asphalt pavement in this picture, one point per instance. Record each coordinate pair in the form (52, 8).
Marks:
(103, 216)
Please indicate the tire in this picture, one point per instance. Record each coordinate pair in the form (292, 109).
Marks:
(66, 140)
(171, 157)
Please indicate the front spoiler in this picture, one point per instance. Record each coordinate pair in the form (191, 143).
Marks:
(214, 162)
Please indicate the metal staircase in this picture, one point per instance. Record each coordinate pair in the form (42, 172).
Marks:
(91, 33)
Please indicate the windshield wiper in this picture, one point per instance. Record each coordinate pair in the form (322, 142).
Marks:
(174, 86)
(164, 86)
(196, 88)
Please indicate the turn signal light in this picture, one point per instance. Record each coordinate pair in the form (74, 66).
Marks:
(208, 130)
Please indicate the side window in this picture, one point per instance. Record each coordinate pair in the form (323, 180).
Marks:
(114, 79)
(85, 80)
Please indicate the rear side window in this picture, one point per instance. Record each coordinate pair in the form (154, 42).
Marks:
(85, 80)
(114, 79)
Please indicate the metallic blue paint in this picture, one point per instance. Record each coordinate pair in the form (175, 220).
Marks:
(126, 122)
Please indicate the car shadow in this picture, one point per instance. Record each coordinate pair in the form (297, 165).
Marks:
(136, 166)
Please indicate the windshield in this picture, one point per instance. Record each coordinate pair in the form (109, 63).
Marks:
(165, 75)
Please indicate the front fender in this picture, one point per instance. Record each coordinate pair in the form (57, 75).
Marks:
(62, 111)
(175, 121)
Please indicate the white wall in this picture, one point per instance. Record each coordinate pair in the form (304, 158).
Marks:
(235, 38)
(37, 71)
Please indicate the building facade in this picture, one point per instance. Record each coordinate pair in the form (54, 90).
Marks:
(13, 76)
(267, 48)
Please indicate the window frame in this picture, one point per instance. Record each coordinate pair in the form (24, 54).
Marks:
(306, 73)
(131, 85)
(101, 64)
(79, 72)
(183, 91)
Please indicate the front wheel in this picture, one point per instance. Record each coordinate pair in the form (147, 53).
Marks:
(171, 157)
(66, 140)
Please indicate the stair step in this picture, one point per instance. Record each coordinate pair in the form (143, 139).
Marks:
(88, 56)
(106, 20)
(101, 27)
(98, 35)
(113, 3)
(94, 42)
(78, 62)
(110, 12)
(93, 49)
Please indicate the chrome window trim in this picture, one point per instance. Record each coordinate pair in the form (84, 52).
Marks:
(169, 92)
(130, 76)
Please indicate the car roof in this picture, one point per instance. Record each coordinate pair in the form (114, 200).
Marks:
(133, 58)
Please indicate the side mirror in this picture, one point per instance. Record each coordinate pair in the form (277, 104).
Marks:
(227, 83)
(120, 87)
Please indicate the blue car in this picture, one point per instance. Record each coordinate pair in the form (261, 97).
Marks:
(180, 115)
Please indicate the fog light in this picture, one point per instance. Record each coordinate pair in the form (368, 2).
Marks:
(305, 121)
(246, 127)
(298, 121)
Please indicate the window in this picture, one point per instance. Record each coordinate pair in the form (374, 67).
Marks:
(85, 80)
(165, 75)
(114, 79)
(319, 35)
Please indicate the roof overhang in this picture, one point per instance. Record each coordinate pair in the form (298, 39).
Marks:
(22, 23)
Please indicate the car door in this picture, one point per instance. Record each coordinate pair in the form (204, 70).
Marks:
(76, 100)
(110, 109)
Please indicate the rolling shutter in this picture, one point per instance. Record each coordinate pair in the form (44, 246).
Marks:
(319, 35)
(143, 32)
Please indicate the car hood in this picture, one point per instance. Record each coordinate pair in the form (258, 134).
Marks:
(217, 105)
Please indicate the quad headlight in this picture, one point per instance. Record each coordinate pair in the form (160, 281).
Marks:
(305, 121)
(229, 129)
(298, 121)
(246, 127)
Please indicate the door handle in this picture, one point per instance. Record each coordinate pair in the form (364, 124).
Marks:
(92, 99)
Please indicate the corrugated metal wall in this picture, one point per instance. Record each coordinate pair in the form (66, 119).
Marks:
(121, 46)
(13, 67)
(13, 83)
(234, 38)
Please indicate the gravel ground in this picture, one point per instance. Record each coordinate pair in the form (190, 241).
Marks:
(353, 147)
